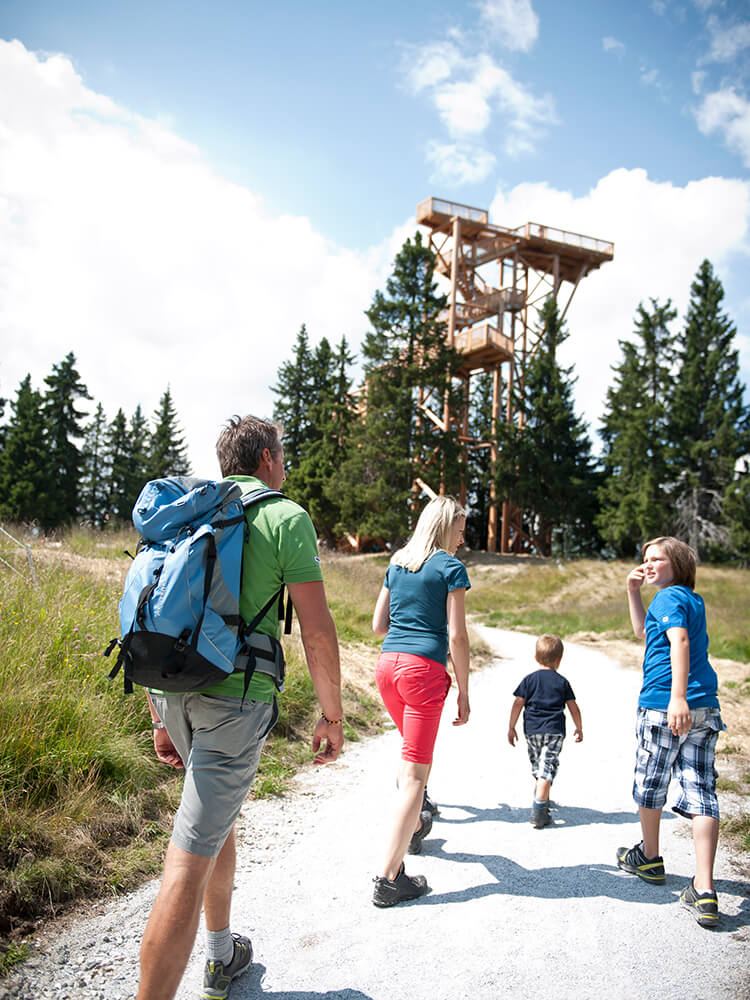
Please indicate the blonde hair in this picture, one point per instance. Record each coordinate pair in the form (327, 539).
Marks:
(680, 555)
(432, 532)
(549, 650)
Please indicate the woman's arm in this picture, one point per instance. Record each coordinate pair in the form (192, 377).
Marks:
(381, 616)
(636, 579)
(458, 643)
(679, 719)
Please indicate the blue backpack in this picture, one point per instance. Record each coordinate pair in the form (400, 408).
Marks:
(180, 622)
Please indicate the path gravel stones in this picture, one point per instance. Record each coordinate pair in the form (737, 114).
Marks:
(512, 912)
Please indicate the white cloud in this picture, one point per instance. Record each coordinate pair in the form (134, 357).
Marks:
(429, 65)
(697, 79)
(459, 164)
(512, 23)
(727, 112)
(118, 242)
(467, 108)
(610, 44)
(661, 233)
(727, 39)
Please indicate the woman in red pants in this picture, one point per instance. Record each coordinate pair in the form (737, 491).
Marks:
(420, 611)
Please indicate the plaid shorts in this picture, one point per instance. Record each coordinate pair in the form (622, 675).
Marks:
(689, 758)
(544, 754)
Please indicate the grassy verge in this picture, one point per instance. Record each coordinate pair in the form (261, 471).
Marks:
(85, 808)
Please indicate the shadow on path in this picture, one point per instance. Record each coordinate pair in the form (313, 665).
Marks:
(561, 815)
(571, 882)
(249, 987)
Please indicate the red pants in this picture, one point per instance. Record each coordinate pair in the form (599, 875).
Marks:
(414, 690)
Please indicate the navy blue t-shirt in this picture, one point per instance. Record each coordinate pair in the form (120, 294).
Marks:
(418, 614)
(545, 693)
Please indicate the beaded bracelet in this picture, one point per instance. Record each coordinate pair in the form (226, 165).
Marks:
(331, 722)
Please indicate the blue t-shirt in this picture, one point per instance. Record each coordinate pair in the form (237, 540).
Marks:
(418, 613)
(676, 607)
(545, 694)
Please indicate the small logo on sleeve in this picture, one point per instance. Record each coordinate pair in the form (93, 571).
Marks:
(665, 618)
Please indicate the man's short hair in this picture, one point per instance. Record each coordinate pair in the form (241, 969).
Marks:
(242, 442)
(549, 650)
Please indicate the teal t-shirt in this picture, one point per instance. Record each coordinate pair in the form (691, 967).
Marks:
(281, 547)
(418, 611)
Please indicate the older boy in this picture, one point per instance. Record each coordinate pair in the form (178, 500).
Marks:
(543, 695)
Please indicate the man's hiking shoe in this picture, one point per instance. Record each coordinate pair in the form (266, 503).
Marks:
(403, 887)
(540, 816)
(704, 905)
(218, 977)
(428, 804)
(415, 844)
(636, 862)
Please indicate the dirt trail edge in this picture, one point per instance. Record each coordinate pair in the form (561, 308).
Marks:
(513, 911)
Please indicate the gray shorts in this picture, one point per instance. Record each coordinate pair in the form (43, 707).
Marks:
(220, 744)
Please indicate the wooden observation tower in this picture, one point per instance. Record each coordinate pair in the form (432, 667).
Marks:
(495, 325)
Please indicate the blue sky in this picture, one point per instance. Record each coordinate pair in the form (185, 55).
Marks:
(176, 172)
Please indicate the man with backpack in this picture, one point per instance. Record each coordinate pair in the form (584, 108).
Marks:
(217, 734)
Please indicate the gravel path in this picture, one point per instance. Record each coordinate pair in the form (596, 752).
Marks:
(513, 911)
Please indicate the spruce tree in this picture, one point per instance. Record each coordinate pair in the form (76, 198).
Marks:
(293, 392)
(27, 490)
(64, 428)
(408, 372)
(120, 455)
(95, 471)
(545, 467)
(168, 452)
(708, 425)
(479, 466)
(634, 503)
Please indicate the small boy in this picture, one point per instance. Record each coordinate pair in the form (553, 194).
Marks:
(543, 696)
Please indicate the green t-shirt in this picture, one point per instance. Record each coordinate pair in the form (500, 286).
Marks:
(281, 548)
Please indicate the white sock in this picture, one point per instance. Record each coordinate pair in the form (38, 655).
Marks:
(219, 946)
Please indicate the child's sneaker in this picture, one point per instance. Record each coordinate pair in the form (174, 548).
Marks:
(415, 844)
(403, 887)
(540, 816)
(217, 977)
(636, 862)
(704, 905)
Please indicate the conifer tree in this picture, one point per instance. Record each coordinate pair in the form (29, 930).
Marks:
(27, 490)
(168, 452)
(634, 503)
(293, 393)
(708, 426)
(479, 469)
(408, 370)
(120, 459)
(545, 467)
(95, 471)
(64, 427)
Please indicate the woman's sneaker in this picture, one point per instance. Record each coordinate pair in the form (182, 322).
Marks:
(636, 862)
(415, 844)
(217, 977)
(403, 887)
(703, 905)
(428, 804)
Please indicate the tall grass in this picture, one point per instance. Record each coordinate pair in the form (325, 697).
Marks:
(85, 807)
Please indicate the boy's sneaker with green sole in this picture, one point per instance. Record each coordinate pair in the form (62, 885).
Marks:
(217, 977)
(703, 905)
(633, 860)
